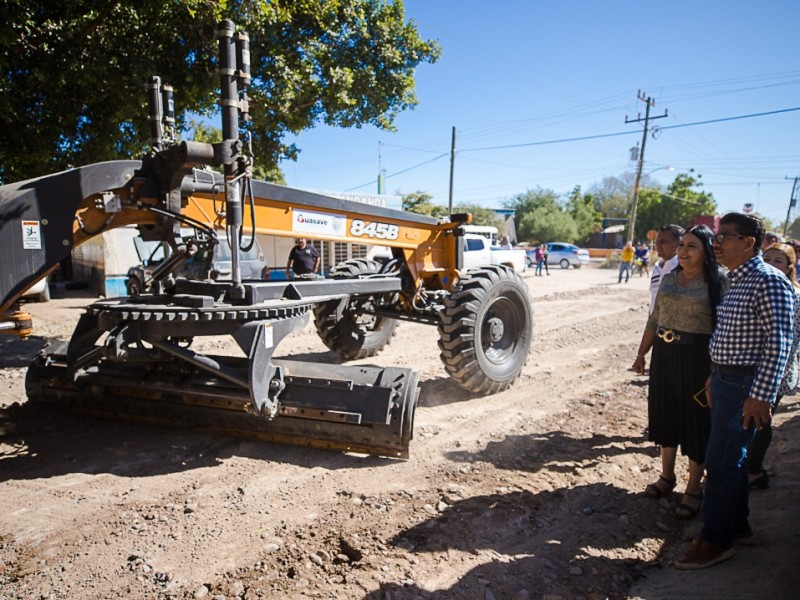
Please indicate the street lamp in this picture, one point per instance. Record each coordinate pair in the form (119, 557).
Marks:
(632, 221)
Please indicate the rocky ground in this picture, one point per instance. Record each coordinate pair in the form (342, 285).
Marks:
(531, 493)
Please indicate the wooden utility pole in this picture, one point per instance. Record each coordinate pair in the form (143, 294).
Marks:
(792, 204)
(452, 170)
(649, 102)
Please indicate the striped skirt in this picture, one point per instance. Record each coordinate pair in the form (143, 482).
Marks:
(676, 419)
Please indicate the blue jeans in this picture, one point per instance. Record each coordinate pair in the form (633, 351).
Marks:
(624, 267)
(725, 507)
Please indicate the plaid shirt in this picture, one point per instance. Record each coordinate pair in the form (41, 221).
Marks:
(754, 325)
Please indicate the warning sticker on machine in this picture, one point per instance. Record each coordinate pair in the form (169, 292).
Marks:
(31, 235)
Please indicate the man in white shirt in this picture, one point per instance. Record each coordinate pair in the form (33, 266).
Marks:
(666, 247)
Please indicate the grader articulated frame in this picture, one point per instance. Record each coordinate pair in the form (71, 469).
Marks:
(133, 355)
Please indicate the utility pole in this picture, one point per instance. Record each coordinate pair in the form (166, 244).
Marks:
(452, 170)
(649, 102)
(381, 172)
(792, 203)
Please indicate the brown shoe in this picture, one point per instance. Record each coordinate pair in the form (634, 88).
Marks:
(703, 555)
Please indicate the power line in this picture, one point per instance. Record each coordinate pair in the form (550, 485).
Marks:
(543, 143)
(619, 133)
(411, 168)
(581, 138)
(761, 114)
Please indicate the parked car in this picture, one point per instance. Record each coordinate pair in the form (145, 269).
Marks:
(479, 252)
(559, 253)
(562, 254)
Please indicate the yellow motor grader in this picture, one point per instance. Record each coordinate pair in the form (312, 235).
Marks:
(132, 355)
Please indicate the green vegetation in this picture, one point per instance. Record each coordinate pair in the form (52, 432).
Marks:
(541, 214)
(74, 73)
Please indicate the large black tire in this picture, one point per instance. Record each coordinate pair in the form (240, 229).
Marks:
(486, 329)
(343, 326)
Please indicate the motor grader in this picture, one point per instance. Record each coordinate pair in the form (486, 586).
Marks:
(133, 355)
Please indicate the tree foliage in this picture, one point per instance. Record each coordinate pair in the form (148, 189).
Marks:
(793, 230)
(203, 132)
(581, 208)
(611, 197)
(540, 217)
(680, 203)
(481, 215)
(73, 73)
(421, 203)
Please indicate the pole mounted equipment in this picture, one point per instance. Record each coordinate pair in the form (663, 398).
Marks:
(649, 102)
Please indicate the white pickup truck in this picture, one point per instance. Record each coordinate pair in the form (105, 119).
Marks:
(479, 252)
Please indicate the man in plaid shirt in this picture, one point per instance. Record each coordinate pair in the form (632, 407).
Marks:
(749, 350)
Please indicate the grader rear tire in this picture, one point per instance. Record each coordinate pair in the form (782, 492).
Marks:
(343, 326)
(486, 329)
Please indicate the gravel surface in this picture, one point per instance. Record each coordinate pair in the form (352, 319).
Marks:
(535, 492)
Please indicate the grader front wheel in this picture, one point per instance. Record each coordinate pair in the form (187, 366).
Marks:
(346, 327)
(485, 330)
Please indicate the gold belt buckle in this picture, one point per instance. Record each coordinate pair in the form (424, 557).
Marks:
(668, 335)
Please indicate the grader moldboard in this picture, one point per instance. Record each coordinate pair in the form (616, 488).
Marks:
(132, 355)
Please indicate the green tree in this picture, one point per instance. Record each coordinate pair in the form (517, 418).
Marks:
(680, 203)
(421, 203)
(612, 196)
(793, 231)
(540, 216)
(549, 224)
(768, 225)
(203, 132)
(481, 215)
(73, 73)
(581, 208)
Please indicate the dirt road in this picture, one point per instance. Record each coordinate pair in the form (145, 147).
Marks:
(531, 493)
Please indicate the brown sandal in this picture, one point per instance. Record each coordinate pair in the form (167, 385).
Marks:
(654, 491)
(689, 511)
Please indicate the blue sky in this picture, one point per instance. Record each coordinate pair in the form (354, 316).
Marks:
(517, 72)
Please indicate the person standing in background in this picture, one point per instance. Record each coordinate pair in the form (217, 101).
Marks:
(770, 238)
(538, 256)
(303, 259)
(666, 248)
(782, 257)
(546, 253)
(627, 262)
(642, 254)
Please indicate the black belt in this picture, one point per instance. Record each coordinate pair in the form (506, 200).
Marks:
(671, 336)
(735, 370)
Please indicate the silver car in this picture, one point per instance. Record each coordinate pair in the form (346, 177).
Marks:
(563, 254)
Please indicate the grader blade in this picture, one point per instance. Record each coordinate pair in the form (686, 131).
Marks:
(365, 409)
